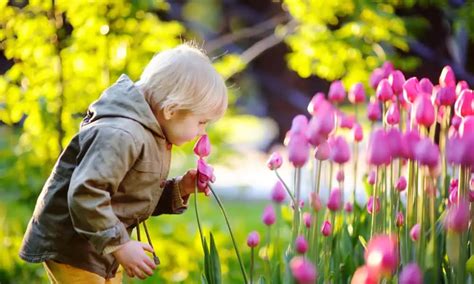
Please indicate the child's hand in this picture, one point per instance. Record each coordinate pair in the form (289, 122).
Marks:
(134, 260)
(188, 182)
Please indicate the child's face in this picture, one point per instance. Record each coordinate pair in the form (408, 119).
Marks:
(182, 127)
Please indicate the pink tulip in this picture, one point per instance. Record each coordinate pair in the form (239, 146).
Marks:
(381, 256)
(313, 133)
(275, 161)
(307, 219)
(357, 93)
(315, 103)
(298, 150)
(410, 89)
(336, 92)
(400, 219)
(371, 177)
(299, 124)
(456, 121)
(322, 123)
(447, 77)
(323, 151)
(453, 196)
(340, 176)
(396, 80)
(411, 274)
(278, 193)
(348, 207)
(427, 153)
(363, 276)
(395, 142)
(387, 68)
(410, 140)
(340, 151)
(346, 121)
(461, 86)
(253, 239)
(377, 151)
(335, 200)
(202, 148)
(370, 205)
(301, 244)
(457, 218)
(393, 115)
(384, 91)
(424, 110)
(303, 270)
(373, 111)
(326, 228)
(471, 195)
(467, 125)
(357, 132)
(446, 96)
(268, 216)
(464, 105)
(315, 201)
(401, 184)
(415, 232)
(377, 75)
(426, 86)
(453, 183)
(205, 174)
(454, 150)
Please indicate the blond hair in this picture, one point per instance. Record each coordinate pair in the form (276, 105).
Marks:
(184, 78)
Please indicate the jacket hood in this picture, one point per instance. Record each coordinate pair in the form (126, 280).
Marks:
(123, 99)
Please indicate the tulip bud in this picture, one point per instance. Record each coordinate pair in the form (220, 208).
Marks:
(401, 184)
(467, 125)
(326, 228)
(357, 93)
(340, 151)
(471, 195)
(393, 115)
(395, 142)
(424, 110)
(202, 148)
(346, 121)
(456, 122)
(464, 105)
(298, 150)
(400, 219)
(375, 78)
(427, 153)
(370, 205)
(322, 152)
(461, 86)
(447, 78)
(381, 255)
(363, 275)
(315, 102)
(253, 239)
(357, 132)
(378, 153)
(301, 244)
(348, 207)
(340, 176)
(307, 219)
(371, 177)
(303, 270)
(275, 161)
(268, 216)
(426, 86)
(410, 89)
(446, 96)
(396, 80)
(315, 201)
(384, 91)
(335, 200)
(457, 219)
(373, 111)
(387, 68)
(415, 232)
(336, 92)
(411, 274)
(278, 193)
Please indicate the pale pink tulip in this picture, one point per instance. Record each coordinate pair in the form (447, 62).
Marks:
(202, 148)
(410, 140)
(278, 193)
(427, 153)
(381, 256)
(335, 200)
(323, 151)
(401, 184)
(324, 121)
(326, 228)
(393, 114)
(298, 150)
(458, 217)
(410, 89)
(275, 161)
(357, 93)
(424, 110)
(377, 151)
(454, 150)
(336, 93)
(315, 201)
(461, 86)
(415, 232)
(370, 205)
(268, 216)
(395, 142)
(340, 151)
(467, 125)
(303, 270)
(411, 274)
(357, 132)
(316, 102)
(253, 239)
(396, 80)
(346, 121)
(301, 244)
(384, 91)
(313, 134)
(373, 111)
(307, 219)
(464, 105)
(400, 219)
(363, 276)
(447, 77)
(426, 86)
(299, 124)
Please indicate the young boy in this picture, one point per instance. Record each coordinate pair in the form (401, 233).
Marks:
(112, 175)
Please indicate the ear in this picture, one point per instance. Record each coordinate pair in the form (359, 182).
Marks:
(169, 111)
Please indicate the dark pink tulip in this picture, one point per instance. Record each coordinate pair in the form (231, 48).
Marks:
(467, 125)
(322, 152)
(298, 150)
(446, 96)
(357, 132)
(275, 161)
(299, 124)
(337, 93)
(457, 218)
(326, 228)
(316, 102)
(471, 195)
(395, 143)
(393, 114)
(370, 205)
(303, 270)
(411, 274)
(357, 93)
(401, 184)
(447, 78)
(340, 175)
(371, 177)
(427, 153)
(424, 110)
(453, 183)
(301, 244)
(384, 91)
(205, 174)
(268, 216)
(410, 89)
(363, 276)
(410, 139)
(456, 122)
(278, 193)
(340, 151)
(376, 76)
(400, 219)
(307, 219)
(426, 86)
(346, 121)
(464, 105)
(377, 152)
(335, 200)
(315, 202)
(373, 111)
(253, 239)
(461, 86)
(415, 232)
(396, 80)
(348, 207)
(202, 148)
(381, 256)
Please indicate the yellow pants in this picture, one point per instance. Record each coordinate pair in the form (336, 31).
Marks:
(59, 273)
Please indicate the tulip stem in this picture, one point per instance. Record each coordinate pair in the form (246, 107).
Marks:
(296, 208)
(230, 231)
(251, 264)
(374, 201)
(285, 186)
(197, 214)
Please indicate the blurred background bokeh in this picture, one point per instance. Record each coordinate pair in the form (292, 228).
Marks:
(57, 56)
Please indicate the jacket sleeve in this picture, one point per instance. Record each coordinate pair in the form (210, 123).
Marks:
(171, 201)
(105, 157)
